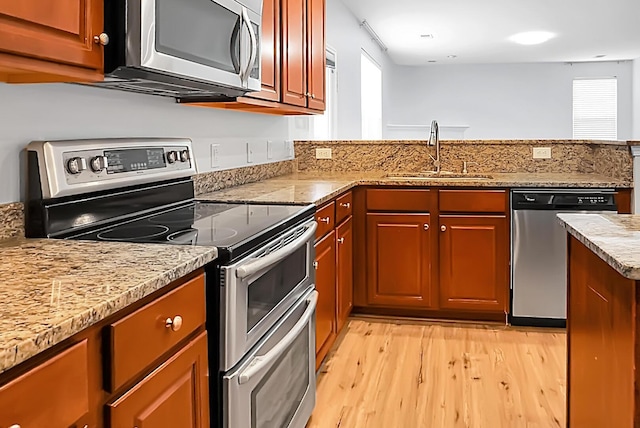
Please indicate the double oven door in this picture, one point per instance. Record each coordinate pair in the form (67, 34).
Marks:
(267, 334)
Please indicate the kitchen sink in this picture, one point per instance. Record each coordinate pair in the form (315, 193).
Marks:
(432, 175)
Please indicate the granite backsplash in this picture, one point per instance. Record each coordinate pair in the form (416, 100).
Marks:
(611, 158)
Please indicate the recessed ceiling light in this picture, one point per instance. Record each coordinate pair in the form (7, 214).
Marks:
(426, 36)
(532, 37)
(452, 56)
(432, 60)
(599, 56)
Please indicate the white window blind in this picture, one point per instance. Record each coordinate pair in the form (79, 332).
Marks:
(595, 109)
(371, 98)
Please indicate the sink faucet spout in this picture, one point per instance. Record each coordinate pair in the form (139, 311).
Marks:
(434, 140)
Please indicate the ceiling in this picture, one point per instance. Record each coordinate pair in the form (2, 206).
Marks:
(477, 31)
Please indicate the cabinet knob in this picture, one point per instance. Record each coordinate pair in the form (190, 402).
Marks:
(315, 265)
(443, 228)
(324, 219)
(313, 96)
(174, 324)
(346, 205)
(102, 39)
(340, 240)
(15, 426)
(426, 226)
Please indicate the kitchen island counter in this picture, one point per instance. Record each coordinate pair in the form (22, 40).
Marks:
(52, 289)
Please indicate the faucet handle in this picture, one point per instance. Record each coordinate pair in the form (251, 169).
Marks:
(467, 163)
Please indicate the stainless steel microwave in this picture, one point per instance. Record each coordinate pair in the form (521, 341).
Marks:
(183, 48)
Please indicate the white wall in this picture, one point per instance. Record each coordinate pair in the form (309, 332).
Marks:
(344, 34)
(64, 111)
(636, 99)
(499, 101)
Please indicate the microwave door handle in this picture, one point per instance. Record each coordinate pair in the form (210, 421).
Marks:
(259, 363)
(254, 45)
(278, 255)
(235, 60)
(253, 48)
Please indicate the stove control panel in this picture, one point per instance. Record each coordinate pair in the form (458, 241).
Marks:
(82, 166)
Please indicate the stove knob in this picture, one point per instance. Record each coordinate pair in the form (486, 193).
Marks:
(184, 155)
(76, 165)
(98, 163)
(172, 156)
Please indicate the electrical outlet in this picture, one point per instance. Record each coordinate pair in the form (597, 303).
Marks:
(215, 155)
(269, 149)
(542, 152)
(249, 153)
(323, 154)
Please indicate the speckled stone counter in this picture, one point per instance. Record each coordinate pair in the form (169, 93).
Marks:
(615, 238)
(316, 187)
(53, 289)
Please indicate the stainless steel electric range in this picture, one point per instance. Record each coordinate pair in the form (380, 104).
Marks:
(261, 294)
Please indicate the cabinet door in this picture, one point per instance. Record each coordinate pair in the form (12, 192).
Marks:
(176, 394)
(474, 262)
(60, 31)
(399, 260)
(294, 48)
(270, 52)
(316, 54)
(344, 249)
(326, 287)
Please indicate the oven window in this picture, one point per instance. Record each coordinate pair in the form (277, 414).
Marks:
(276, 398)
(201, 31)
(267, 291)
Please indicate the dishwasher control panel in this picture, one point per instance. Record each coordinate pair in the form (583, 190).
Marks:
(601, 200)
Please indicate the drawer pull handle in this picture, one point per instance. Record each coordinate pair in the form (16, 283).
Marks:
(346, 205)
(324, 219)
(174, 324)
(340, 240)
(443, 228)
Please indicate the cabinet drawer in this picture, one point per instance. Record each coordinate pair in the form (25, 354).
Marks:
(326, 218)
(143, 336)
(474, 201)
(344, 206)
(412, 200)
(54, 394)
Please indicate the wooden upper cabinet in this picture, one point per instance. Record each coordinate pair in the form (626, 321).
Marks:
(174, 395)
(474, 262)
(270, 52)
(50, 40)
(344, 271)
(316, 52)
(399, 260)
(326, 287)
(294, 48)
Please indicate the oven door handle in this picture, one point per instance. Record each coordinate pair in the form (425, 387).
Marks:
(278, 255)
(259, 363)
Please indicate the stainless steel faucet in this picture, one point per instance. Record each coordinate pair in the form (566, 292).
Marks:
(434, 140)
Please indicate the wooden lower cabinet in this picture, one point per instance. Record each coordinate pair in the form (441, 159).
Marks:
(474, 262)
(326, 287)
(344, 272)
(174, 395)
(399, 260)
(601, 343)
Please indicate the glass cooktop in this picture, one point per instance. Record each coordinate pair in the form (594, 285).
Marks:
(205, 223)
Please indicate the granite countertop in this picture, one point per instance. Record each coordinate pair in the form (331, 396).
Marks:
(316, 187)
(52, 289)
(615, 238)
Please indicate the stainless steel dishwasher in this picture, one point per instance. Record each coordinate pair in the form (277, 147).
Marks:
(539, 250)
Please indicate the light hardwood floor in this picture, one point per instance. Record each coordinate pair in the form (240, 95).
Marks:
(404, 375)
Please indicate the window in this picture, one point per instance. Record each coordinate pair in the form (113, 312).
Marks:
(324, 125)
(371, 98)
(595, 109)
